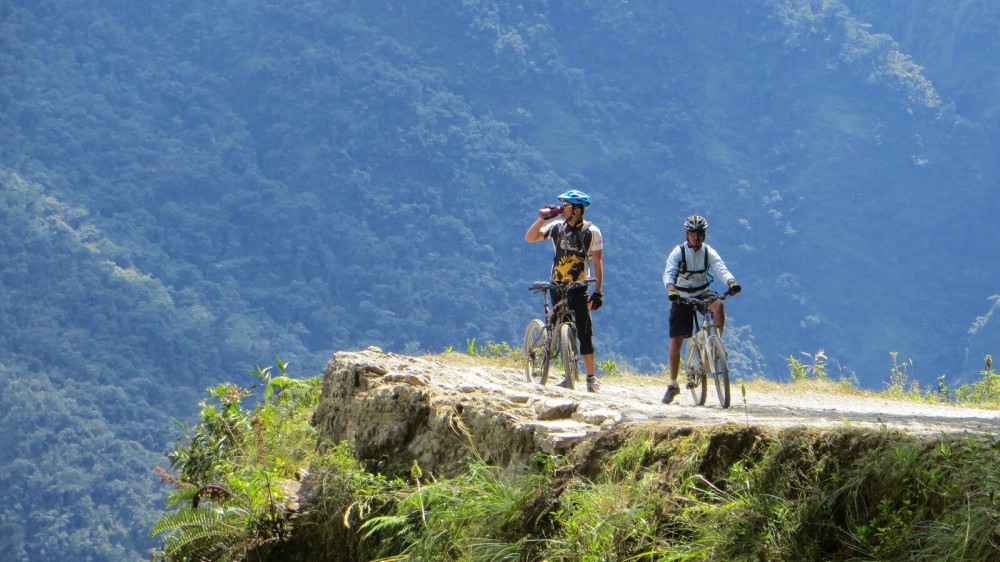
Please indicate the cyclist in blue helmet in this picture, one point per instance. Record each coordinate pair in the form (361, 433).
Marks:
(689, 273)
(579, 250)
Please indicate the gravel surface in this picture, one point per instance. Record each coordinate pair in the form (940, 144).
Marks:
(638, 398)
(499, 388)
(787, 406)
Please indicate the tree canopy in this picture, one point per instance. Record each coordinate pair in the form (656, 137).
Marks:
(189, 189)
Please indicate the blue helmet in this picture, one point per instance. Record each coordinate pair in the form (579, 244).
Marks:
(575, 197)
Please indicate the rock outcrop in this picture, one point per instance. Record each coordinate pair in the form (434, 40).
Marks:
(442, 411)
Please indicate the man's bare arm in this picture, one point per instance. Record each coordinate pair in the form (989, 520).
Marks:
(534, 233)
(598, 258)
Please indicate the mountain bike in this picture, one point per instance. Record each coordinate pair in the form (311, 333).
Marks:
(555, 337)
(707, 354)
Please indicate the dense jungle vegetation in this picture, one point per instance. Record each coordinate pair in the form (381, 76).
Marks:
(189, 189)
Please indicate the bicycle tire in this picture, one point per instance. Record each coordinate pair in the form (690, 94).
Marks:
(720, 369)
(569, 349)
(543, 374)
(699, 390)
(536, 357)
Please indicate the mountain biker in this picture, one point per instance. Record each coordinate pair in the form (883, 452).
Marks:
(689, 273)
(578, 247)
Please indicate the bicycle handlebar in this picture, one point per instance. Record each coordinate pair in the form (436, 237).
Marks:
(706, 301)
(546, 285)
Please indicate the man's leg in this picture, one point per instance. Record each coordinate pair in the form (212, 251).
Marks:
(588, 364)
(674, 357)
(674, 363)
(719, 314)
(585, 333)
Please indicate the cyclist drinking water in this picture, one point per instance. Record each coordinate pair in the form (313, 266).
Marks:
(689, 273)
(578, 248)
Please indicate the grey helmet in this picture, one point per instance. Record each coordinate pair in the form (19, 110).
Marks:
(695, 222)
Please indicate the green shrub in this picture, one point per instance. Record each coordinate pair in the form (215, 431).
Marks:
(231, 466)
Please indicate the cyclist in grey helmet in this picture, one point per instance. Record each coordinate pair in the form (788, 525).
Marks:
(691, 268)
(579, 253)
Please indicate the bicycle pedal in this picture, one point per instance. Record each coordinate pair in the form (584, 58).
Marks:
(692, 384)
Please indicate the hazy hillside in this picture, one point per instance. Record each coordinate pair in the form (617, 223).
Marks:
(190, 190)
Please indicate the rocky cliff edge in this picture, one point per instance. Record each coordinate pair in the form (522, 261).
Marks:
(443, 410)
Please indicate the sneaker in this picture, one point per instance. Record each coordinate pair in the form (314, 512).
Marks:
(592, 384)
(567, 383)
(672, 392)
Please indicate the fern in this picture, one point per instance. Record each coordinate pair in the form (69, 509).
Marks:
(200, 534)
(223, 526)
(185, 516)
(228, 499)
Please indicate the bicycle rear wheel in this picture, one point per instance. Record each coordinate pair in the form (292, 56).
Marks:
(694, 365)
(569, 349)
(536, 353)
(720, 369)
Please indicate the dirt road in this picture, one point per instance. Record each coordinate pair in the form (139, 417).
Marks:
(413, 407)
(789, 406)
(492, 398)
(638, 398)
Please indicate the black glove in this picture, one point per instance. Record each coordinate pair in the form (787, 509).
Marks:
(735, 289)
(596, 300)
(674, 296)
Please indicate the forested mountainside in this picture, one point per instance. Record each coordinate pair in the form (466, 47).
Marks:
(190, 190)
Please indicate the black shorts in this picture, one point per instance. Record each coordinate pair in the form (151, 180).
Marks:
(584, 328)
(682, 318)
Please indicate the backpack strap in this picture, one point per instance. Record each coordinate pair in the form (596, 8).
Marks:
(682, 267)
(683, 270)
(588, 236)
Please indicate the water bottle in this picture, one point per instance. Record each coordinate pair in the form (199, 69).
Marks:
(548, 211)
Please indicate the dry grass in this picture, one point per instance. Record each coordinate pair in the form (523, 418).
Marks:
(806, 385)
(625, 376)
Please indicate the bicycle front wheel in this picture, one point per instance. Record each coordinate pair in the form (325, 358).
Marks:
(536, 353)
(720, 369)
(569, 349)
(694, 365)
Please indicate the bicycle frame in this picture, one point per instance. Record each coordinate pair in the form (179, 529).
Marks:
(707, 347)
(543, 339)
(555, 314)
(708, 325)
(560, 311)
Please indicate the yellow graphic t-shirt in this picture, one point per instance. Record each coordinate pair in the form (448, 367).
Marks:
(573, 247)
